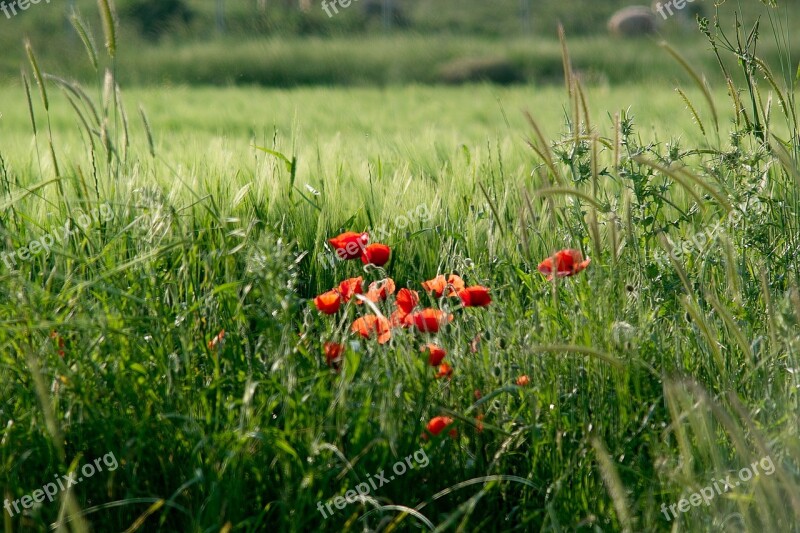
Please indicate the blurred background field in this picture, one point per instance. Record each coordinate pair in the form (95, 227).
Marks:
(288, 43)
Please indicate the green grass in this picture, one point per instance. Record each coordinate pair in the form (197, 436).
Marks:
(648, 379)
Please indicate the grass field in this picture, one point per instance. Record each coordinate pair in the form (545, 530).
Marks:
(164, 362)
(356, 125)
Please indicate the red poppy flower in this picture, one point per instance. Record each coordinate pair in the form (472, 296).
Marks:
(369, 324)
(523, 381)
(435, 354)
(349, 245)
(456, 283)
(479, 423)
(436, 285)
(399, 319)
(476, 296)
(376, 254)
(328, 302)
(439, 284)
(445, 371)
(351, 286)
(437, 424)
(430, 320)
(60, 340)
(567, 263)
(379, 290)
(407, 300)
(216, 341)
(333, 354)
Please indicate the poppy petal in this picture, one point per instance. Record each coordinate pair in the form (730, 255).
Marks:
(376, 254)
(407, 300)
(455, 284)
(445, 371)
(436, 285)
(435, 354)
(379, 290)
(350, 287)
(369, 324)
(333, 354)
(475, 296)
(349, 245)
(430, 320)
(328, 302)
(567, 263)
(437, 424)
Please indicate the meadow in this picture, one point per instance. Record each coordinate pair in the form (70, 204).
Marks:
(163, 249)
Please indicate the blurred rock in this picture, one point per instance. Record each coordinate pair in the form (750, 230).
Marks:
(632, 21)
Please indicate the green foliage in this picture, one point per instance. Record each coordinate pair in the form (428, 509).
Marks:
(153, 18)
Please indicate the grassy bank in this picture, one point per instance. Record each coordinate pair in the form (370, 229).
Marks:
(363, 61)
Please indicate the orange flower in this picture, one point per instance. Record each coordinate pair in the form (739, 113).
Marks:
(349, 287)
(216, 341)
(567, 263)
(523, 380)
(333, 354)
(376, 254)
(437, 424)
(379, 290)
(349, 245)
(435, 353)
(476, 296)
(445, 371)
(328, 302)
(438, 285)
(479, 423)
(430, 320)
(369, 324)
